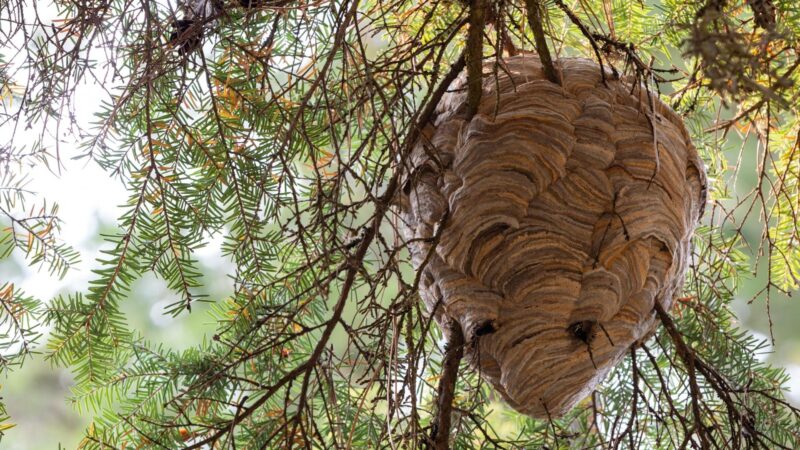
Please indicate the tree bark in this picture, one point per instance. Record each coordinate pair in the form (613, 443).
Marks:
(535, 21)
(453, 352)
(477, 22)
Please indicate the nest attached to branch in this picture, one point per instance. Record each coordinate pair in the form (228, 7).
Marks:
(560, 214)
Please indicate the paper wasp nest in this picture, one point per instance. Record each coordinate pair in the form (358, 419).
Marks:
(564, 220)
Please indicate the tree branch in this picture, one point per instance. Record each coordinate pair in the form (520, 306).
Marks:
(477, 22)
(535, 21)
(453, 352)
(353, 264)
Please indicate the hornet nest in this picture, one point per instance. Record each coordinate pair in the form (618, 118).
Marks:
(567, 211)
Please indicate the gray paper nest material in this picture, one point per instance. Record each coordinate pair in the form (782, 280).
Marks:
(562, 225)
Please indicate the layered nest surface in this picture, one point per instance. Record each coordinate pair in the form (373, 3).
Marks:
(549, 223)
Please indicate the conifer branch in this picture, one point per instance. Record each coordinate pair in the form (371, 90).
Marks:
(453, 352)
(477, 22)
(535, 20)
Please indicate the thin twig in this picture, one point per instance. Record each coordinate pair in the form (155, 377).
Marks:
(588, 34)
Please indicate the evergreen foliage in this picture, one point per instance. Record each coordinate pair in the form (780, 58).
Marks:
(283, 126)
